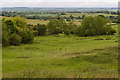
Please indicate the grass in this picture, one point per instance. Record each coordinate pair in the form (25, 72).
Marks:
(36, 21)
(76, 21)
(62, 57)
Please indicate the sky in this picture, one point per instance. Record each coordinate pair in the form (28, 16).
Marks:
(59, 3)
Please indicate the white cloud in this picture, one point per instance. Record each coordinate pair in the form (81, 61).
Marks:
(60, 3)
(60, 0)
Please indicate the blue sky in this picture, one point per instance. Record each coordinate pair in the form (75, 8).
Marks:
(59, 3)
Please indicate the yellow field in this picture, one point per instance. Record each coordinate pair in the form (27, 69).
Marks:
(37, 21)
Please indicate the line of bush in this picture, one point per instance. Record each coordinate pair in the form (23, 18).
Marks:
(16, 31)
(90, 26)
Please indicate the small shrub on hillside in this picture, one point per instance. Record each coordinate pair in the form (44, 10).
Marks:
(56, 26)
(5, 35)
(41, 29)
(92, 26)
(15, 31)
(60, 26)
(27, 36)
(70, 28)
(15, 39)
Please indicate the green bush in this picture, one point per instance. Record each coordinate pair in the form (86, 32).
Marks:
(15, 39)
(61, 26)
(70, 28)
(15, 31)
(92, 26)
(56, 26)
(27, 36)
(5, 35)
(41, 29)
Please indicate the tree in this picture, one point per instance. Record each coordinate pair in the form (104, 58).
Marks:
(15, 31)
(118, 18)
(56, 26)
(70, 28)
(92, 26)
(15, 39)
(83, 16)
(42, 29)
(5, 34)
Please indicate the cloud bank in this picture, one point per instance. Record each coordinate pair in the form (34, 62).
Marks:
(59, 3)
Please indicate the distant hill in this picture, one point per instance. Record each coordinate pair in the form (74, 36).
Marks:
(55, 9)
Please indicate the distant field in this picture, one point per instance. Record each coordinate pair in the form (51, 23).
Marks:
(87, 14)
(74, 14)
(76, 21)
(37, 21)
(60, 56)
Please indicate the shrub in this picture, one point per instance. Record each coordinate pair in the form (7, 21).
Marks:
(15, 31)
(15, 39)
(70, 28)
(92, 26)
(56, 26)
(41, 29)
(5, 35)
(11, 26)
(60, 26)
(27, 36)
(5, 41)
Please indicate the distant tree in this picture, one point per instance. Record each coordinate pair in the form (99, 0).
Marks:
(92, 26)
(118, 18)
(15, 39)
(83, 16)
(5, 34)
(102, 16)
(56, 26)
(15, 31)
(63, 13)
(42, 29)
(70, 28)
(71, 16)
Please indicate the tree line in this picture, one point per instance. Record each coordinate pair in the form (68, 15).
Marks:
(58, 15)
(16, 31)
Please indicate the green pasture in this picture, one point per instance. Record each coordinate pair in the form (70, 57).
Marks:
(61, 56)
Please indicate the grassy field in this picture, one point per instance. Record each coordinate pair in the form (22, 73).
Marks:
(76, 21)
(37, 21)
(75, 14)
(60, 56)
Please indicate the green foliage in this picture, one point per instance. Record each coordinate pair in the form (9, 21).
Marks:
(42, 29)
(92, 26)
(102, 16)
(118, 18)
(70, 28)
(69, 56)
(56, 26)
(27, 36)
(11, 26)
(15, 39)
(60, 26)
(20, 22)
(15, 31)
(5, 35)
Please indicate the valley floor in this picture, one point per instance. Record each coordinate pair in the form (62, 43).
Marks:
(63, 56)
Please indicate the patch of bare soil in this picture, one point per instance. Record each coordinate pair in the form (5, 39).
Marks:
(98, 49)
(23, 57)
(78, 54)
